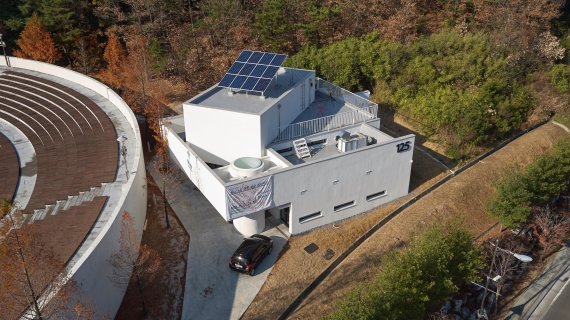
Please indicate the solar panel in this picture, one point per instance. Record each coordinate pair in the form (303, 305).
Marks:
(252, 71)
(262, 84)
(266, 59)
(250, 83)
(227, 80)
(244, 55)
(278, 60)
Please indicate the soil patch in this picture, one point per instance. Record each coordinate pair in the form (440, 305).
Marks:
(164, 290)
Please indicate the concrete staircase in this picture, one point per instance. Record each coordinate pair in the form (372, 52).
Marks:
(72, 201)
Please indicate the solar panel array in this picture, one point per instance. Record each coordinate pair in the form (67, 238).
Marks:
(252, 71)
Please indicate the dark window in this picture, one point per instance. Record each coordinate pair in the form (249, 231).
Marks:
(285, 150)
(312, 143)
(310, 217)
(344, 206)
(213, 165)
(376, 195)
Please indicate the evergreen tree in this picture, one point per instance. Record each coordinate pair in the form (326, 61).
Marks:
(271, 24)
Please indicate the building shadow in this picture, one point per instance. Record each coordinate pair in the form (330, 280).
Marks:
(428, 163)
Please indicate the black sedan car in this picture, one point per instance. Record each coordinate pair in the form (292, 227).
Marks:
(250, 253)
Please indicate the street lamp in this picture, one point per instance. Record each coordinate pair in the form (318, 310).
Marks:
(123, 152)
(3, 45)
(481, 313)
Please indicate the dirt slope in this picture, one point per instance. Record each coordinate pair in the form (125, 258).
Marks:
(463, 197)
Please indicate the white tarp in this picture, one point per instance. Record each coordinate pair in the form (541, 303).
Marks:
(249, 197)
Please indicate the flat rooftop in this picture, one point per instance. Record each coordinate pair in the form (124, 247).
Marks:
(252, 103)
(322, 106)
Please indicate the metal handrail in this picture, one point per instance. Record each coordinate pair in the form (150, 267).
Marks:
(362, 110)
(332, 122)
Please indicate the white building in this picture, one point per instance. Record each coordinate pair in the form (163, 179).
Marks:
(305, 150)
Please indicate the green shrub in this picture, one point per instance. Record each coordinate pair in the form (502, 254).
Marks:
(547, 177)
(560, 77)
(421, 276)
(457, 87)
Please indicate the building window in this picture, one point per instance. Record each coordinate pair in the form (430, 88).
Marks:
(376, 195)
(285, 150)
(310, 217)
(344, 206)
(316, 142)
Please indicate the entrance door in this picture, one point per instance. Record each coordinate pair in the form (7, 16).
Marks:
(284, 215)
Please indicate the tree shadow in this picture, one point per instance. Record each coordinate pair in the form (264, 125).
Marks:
(427, 163)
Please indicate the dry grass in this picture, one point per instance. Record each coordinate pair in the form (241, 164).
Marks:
(285, 281)
(163, 291)
(463, 197)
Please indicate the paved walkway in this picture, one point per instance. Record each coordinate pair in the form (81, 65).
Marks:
(212, 290)
(544, 291)
(27, 162)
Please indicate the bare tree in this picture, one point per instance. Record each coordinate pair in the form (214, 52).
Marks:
(550, 226)
(133, 260)
(32, 286)
(505, 264)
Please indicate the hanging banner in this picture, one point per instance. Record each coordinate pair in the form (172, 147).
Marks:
(249, 197)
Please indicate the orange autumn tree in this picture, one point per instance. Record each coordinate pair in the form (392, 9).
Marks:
(36, 43)
(115, 56)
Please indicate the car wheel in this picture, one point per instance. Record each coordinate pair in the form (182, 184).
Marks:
(252, 271)
(269, 250)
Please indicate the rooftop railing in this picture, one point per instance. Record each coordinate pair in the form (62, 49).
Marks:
(362, 111)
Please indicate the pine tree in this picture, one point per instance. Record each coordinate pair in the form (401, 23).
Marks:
(36, 43)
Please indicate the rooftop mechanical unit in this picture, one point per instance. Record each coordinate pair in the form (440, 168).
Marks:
(347, 142)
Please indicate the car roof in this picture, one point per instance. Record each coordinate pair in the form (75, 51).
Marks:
(248, 246)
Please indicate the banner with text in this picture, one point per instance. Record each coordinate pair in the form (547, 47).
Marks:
(249, 197)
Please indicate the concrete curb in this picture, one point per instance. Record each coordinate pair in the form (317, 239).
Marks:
(320, 278)
(535, 301)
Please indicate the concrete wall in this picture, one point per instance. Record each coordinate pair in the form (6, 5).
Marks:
(199, 173)
(91, 270)
(321, 185)
(277, 118)
(226, 135)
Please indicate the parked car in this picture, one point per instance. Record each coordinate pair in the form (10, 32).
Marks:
(250, 253)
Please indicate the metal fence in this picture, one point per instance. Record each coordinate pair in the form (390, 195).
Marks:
(341, 94)
(328, 123)
(362, 110)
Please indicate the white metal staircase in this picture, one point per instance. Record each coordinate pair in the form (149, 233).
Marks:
(301, 148)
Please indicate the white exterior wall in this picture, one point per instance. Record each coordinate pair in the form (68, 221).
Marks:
(275, 119)
(91, 270)
(92, 273)
(222, 135)
(390, 172)
(199, 173)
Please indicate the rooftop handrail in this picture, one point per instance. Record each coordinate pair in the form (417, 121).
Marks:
(348, 97)
(328, 123)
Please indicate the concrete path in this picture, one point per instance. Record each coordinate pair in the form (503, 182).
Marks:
(212, 290)
(27, 160)
(545, 291)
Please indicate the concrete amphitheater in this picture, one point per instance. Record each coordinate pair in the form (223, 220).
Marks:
(61, 166)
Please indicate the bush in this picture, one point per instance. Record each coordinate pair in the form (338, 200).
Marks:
(560, 77)
(423, 275)
(446, 82)
(547, 177)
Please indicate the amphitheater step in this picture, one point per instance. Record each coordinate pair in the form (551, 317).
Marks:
(106, 189)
